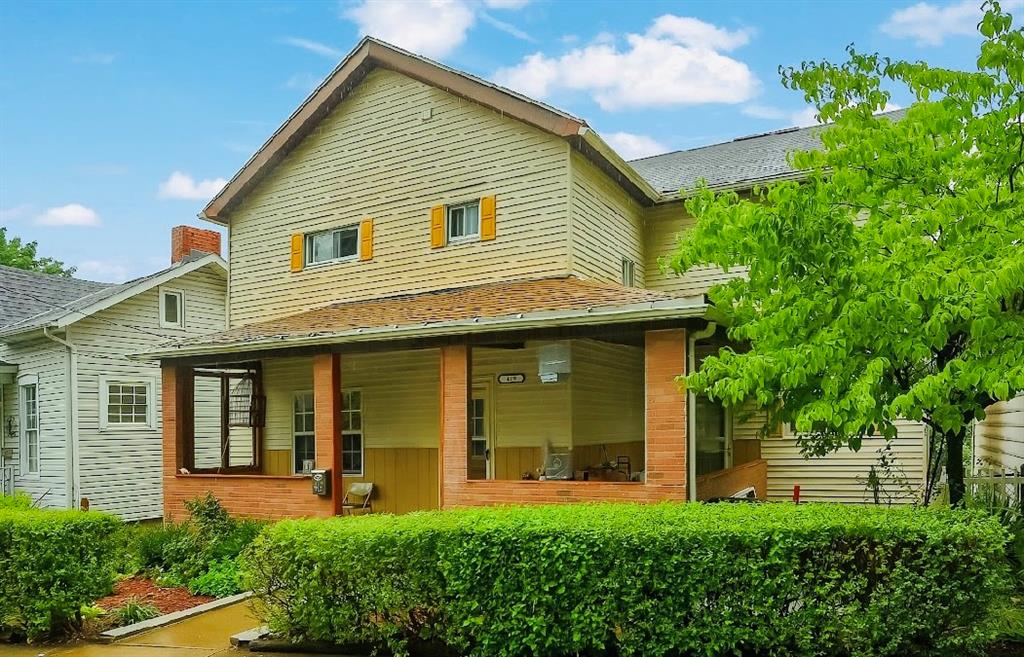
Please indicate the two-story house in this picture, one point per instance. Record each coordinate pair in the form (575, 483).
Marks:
(80, 422)
(453, 292)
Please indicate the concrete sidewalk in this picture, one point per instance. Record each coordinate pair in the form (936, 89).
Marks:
(206, 635)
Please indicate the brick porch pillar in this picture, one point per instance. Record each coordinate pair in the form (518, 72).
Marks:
(665, 408)
(455, 393)
(177, 410)
(327, 410)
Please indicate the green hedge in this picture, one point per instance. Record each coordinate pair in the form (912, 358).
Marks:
(621, 579)
(51, 563)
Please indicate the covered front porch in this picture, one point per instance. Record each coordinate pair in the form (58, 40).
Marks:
(521, 409)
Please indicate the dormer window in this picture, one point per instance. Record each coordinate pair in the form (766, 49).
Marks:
(332, 245)
(464, 221)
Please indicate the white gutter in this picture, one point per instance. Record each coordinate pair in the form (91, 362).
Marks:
(71, 469)
(691, 410)
(651, 311)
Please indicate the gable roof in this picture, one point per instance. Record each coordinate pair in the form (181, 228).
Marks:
(737, 164)
(371, 53)
(32, 300)
(488, 307)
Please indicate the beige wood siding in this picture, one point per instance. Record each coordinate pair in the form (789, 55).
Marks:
(841, 476)
(999, 438)
(120, 469)
(665, 222)
(48, 361)
(607, 225)
(392, 150)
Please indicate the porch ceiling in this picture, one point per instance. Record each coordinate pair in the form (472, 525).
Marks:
(514, 305)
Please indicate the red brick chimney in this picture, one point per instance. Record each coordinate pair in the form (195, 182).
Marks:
(186, 239)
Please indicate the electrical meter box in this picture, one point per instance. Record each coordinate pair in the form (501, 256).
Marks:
(321, 482)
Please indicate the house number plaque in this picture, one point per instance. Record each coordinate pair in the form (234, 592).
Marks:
(511, 378)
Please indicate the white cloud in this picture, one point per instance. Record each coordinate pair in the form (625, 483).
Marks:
(72, 214)
(929, 24)
(801, 118)
(314, 47)
(678, 61)
(103, 270)
(758, 111)
(101, 58)
(506, 4)
(433, 28)
(15, 212)
(303, 82)
(631, 146)
(507, 28)
(183, 186)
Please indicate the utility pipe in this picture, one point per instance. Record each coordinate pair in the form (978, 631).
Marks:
(71, 470)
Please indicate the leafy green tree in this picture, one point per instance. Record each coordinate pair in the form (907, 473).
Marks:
(890, 282)
(15, 253)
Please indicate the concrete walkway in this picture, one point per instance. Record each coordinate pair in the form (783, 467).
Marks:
(205, 635)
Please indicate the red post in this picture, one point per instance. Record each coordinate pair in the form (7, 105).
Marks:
(796, 493)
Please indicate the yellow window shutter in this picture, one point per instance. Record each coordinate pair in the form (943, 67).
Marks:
(437, 226)
(488, 220)
(297, 240)
(366, 240)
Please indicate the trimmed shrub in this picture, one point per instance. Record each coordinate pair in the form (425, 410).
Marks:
(621, 579)
(52, 562)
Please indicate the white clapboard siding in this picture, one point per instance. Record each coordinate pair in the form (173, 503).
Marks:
(607, 225)
(120, 469)
(665, 223)
(49, 362)
(999, 438)
(392, 150)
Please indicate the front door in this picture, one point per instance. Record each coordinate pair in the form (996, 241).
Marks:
(479, 451)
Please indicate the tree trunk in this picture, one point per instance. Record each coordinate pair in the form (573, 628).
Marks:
(955, 465)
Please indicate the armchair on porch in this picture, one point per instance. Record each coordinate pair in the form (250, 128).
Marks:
(357, 499)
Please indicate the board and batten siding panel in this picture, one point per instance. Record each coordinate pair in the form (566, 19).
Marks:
(665, 223)
(120, 469)
(391, 151)
(49, 362)
(999, 438)
(607, 225)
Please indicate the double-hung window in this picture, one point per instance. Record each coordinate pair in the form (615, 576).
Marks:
(352, 432)
(628, 272)
(463, 221)
(126, 404)
(304, 433)
(28, 403)
(332, 245)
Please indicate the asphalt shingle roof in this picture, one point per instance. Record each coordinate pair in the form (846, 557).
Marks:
(30, 299)
(478, 302)
(742, 162)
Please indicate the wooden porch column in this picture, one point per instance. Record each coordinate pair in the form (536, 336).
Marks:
(665, 408)
(178, 411)
(327, 409)
(455, 394)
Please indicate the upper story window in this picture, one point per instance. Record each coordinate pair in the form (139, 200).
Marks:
(332, 245)
(172, 308)
(628, 272)
(463, 221)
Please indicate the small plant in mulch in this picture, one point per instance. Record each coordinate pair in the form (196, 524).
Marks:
(133, 611)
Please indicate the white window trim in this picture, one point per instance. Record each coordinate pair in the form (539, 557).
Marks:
(361, 433)
(307, 252)
(628, 267)
(295, 433)
(163, 309)
(104, 399)
(472, 237)
(28, 380)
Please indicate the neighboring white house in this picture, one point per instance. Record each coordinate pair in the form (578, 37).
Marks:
(80, 423)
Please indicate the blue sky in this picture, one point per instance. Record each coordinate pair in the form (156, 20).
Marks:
(119, 120)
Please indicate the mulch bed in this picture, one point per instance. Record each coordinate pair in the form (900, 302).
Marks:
(167, 600)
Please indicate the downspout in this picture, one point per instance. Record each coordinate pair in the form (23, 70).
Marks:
(71, 474)
(691, 410)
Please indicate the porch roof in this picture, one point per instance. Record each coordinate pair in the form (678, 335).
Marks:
(512, 305)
